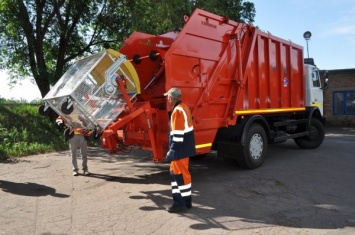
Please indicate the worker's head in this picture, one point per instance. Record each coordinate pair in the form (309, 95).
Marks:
(174, 94)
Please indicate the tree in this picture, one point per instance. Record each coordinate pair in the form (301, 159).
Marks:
(160, 16)
(236, 10)
(41, 38)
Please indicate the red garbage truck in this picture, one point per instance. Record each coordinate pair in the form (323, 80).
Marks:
(245, 88)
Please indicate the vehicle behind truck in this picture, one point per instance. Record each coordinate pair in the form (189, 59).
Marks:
(245, 89)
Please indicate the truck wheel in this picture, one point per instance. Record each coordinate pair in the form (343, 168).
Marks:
(255, 148)
(315, 137)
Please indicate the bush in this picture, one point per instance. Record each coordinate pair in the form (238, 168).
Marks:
(23, 131)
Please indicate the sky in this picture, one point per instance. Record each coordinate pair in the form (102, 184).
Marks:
(331, 22)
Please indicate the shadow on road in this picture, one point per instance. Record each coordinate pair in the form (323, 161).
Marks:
(295, 188)
(153, 178)
(29, 189)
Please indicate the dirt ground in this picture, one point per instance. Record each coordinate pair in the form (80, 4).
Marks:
(296, 191)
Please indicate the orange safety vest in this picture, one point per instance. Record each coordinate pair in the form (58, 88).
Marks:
(77, 131)
(182, 137)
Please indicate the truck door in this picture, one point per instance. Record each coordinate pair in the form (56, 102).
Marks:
(314, 92)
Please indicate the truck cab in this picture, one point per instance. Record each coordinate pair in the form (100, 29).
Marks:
(314, 90)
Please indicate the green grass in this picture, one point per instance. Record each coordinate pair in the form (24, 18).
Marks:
(23, 131)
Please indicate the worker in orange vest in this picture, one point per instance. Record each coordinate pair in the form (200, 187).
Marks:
(77, 138)
(181, 147)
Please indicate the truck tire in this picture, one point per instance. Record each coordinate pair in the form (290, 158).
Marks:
(315, 137)
(255, 148)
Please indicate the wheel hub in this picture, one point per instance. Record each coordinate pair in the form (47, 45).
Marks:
(313, 132)
(256, 146)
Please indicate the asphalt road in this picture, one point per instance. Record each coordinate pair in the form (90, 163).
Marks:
(296, 191)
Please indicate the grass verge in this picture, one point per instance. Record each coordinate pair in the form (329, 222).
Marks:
(23, 131)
